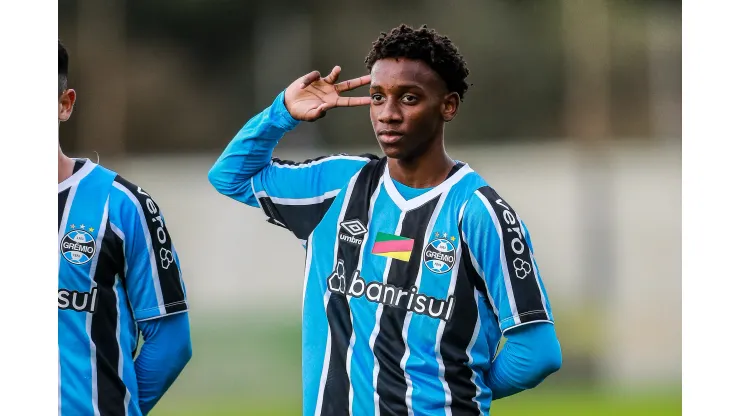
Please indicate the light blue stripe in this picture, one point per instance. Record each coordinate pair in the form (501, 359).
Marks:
(385, 219)
(484, 348)
(74, 341)
(315, 324)
(428, 396)
(129, 337)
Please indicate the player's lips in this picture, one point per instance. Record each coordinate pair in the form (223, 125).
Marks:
(389, 136)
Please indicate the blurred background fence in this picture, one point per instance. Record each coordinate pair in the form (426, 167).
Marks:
(574, 116)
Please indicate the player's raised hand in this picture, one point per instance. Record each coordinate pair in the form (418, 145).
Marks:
(311, 96)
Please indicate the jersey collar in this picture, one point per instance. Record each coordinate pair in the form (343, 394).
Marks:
(422, 199)
(77, 176)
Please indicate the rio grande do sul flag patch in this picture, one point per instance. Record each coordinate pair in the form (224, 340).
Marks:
(393, 246)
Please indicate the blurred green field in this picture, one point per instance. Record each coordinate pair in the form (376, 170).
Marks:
(251, 367)
(552, 402)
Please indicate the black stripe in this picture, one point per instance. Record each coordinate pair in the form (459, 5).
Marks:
(168, 270)
(389, 346)
(62, 204)
(336, 391)
(305, 162)
(454, 169)
(79, 163)
(111, 390)
(301, 220)
(456, 337)
(524, 287)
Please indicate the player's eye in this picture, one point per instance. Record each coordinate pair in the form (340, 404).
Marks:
(376, 98)
(409, 99)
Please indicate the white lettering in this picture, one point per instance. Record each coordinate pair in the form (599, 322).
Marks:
(78, 247)
(440, 256)
(151, 207)
(420, 307)
(509, 218)
(378, 288)
(82, 305)
(63, 299)
(391, 295)
(357, 280)
(350, 239)
(431, 308)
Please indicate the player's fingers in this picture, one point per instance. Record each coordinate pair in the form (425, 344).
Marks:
(351, 84)
(353, 101)
(309, 78)
(333, 75)
(317, 113)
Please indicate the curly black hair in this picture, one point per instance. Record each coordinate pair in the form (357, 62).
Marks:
(426, 45)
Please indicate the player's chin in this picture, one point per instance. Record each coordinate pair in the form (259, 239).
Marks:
(393, 152)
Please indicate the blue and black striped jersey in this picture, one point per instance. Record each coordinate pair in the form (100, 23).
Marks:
(117, 267)
(405, 300)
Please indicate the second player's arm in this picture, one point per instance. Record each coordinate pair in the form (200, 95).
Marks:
(155, 290)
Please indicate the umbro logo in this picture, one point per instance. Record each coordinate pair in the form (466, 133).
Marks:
(352, 231)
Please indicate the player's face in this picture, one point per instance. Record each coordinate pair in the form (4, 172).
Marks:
(66, 104)
(410, 104)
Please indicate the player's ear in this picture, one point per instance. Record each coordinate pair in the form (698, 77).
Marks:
(66, 104)
(450, 104)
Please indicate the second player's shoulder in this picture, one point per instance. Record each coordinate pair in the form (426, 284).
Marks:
(129, 193)
(129, 203)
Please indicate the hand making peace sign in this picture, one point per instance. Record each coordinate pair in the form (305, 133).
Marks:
(310, 96)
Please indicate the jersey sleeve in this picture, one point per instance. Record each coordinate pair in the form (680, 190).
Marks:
(152, 273)
(292, 195)
(501, 252)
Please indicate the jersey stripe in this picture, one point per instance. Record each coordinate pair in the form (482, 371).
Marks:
(289, 164)
(337, 391)
(62, 205)
(525, 296)
(166, 276)
(389, 345)
(168, 272)
(330, 352)
(362, 319)
(378, 316)
(89, 318)
(104, 328)
(417, 284)
(457, 338)
(299, 215)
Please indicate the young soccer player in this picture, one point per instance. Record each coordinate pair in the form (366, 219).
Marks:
(119, 276)
(415, 266)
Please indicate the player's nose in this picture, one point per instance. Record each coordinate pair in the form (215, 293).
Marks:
(390, 113)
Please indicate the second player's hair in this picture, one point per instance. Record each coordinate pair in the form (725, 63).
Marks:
(426, 45)
(63, 68)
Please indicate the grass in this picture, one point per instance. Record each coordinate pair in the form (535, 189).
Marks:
(551, 402)
(252, 368)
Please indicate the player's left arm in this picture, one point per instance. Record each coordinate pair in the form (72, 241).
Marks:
(165, 353)
(501, 251)
(155, 289)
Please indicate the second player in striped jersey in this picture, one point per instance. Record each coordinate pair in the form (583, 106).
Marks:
(119, 278)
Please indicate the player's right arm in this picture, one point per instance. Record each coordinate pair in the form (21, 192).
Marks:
(292, 195)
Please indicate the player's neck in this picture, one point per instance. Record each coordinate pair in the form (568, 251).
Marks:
(66, 166)
(425, 171)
